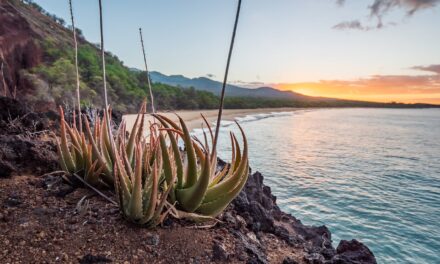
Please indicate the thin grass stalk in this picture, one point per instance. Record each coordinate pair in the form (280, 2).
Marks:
(106, 107)
(103, 57)
(75, 42)
(148, 74)
(222, 97)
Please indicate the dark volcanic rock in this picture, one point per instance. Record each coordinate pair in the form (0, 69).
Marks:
(13, 200)
(314, 258)
(28, 154)
(17, 118)
(258, 207)
(353, 252)
(289, 260)
(6, 168)
(90, 259)
(318, 236)
(11, 108)
(255, 252)
(219, 252)
(25, 145)
(256, 204)
(152, 240)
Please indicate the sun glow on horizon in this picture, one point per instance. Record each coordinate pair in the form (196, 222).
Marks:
(375, 90)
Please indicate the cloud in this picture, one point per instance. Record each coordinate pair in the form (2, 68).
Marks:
(210, 75)
(383, 88)
(353, 24)
(248, 84)
(340, 2)
(431, 68)
(379, 9)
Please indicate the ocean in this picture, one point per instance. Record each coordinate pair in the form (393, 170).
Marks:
(369, 174)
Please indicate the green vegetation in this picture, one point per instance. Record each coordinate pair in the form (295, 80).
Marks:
(55, 81)
(126, 88)
(200, 187)
(91, 157)
(149, 174)
(139, 170)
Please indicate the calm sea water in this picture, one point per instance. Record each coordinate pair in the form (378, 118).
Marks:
(369, 174)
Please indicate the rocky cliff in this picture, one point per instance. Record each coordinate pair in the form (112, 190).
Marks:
(44, 220)
(18, 50)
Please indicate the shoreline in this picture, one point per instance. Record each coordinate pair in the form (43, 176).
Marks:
(194, 120)
(44, 219)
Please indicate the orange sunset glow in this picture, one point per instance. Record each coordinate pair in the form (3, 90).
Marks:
(406, 89)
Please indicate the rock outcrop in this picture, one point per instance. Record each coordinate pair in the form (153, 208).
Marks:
(26, 145)
(253, 228)
(256, 205)
(18, 50)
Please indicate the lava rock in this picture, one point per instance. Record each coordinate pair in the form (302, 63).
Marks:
(314, 258)
(26, 154)
(263, 220)
(13, 200)
(257, 207)
(11, 109)
(289, 260)
(230, 220)
(152, 239)
(219, 252)
(6, 168)
(91, 259)
(256, 204)
(318, 236)
(254, 251)
(21, 148)
(353, 252)
(285, 235)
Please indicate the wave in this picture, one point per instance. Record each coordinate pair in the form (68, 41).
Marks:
(247, 118)
(255, 117)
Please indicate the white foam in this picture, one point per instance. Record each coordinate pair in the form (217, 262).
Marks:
(198, 132)
(255, 117)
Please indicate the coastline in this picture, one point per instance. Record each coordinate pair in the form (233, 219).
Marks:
(46, 220)
(194, 120)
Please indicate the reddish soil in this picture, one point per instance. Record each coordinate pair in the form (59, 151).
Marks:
(39, 225)
(44, 220)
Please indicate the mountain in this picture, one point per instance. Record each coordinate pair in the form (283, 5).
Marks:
(206, 84)
(37, 67)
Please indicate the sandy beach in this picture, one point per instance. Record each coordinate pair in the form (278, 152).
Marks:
(194, 120)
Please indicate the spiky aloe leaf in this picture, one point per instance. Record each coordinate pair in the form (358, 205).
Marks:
(166, 160)
(215, 207)
(191, 198)
(64, 146)
(108, 174)
(135, 205)
(175, 147)
(122, 183)
(61, 157)
(230, 182)
(134, 132)
(191, 169)
(149, 210)
(219, 176)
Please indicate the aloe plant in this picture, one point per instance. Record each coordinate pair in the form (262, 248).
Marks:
(199, 187)
(76, 155)
(93, 155)
(141, 192)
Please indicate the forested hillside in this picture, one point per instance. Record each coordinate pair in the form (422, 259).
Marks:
(37, 66)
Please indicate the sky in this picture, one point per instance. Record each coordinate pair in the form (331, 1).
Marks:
(377, 50)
